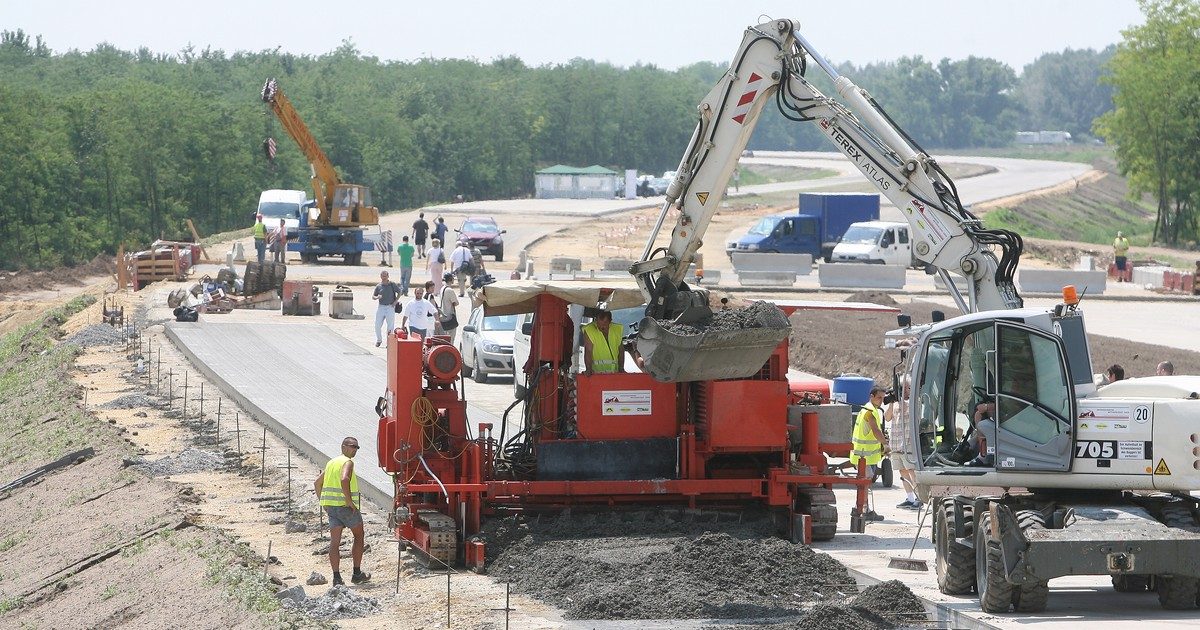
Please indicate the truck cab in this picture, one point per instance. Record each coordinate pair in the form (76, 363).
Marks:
(782, 233)
(875, 242)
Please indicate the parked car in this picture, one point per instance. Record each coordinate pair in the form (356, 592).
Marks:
(487, 345)
(484, 233)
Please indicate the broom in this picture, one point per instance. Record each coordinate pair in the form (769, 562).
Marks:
(910, 563)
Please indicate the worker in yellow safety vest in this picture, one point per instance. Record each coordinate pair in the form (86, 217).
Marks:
(337, 487)
(260, 238)
(602, 353)
(868, 440)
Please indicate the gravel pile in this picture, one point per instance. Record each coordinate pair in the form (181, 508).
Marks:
(758, 315)
(191, 460)
(130, 401)
(97, 335)
(338, 603)
(614, 568)
(873, 297)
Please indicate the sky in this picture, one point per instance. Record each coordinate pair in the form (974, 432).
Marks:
(665, 33)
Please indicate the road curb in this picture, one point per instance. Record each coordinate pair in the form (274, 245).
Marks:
(381, 499)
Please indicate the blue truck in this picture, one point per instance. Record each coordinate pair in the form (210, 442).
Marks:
(814, 229)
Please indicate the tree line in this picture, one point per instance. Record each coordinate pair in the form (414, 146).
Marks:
(111, 146)
(1155, 123)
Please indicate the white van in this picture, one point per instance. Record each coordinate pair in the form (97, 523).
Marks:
(627, 317)
(875, 242)
(282, 204)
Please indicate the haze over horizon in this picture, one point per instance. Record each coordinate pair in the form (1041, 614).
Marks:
(668, 34)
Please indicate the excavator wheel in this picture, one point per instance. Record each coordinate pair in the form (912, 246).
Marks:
(1032, 595)
(955, 561)
(1177, 592)
(995, 591)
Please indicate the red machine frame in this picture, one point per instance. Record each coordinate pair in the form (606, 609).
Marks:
(731, 436)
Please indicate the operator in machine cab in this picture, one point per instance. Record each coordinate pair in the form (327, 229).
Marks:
(602, 353)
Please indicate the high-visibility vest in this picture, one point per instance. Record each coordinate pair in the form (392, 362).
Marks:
(1120, 246)
(331, 490)
(865, 446)
(604, 351)
(260, 231)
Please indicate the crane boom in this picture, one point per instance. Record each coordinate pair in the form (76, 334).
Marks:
(340, 204)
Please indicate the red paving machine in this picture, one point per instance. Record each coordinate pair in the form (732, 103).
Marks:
(606, 440)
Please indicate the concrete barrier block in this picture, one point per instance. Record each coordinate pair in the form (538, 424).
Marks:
(861, 276)
(565, 265)
(618, 264)
(959, 282)
(766, 278)
(795, 263)
(1053, 280)
(1152, 276)
(711, 276)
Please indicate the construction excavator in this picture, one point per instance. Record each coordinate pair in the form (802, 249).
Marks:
(1063, 477)
(342, 210)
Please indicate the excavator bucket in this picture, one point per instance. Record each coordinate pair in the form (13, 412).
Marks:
(732, 343)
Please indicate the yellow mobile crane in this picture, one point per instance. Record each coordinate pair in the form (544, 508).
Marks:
(335, 226)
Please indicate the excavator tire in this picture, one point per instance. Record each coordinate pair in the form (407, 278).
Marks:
(1031, 596)
(955, 561)
(995, 591)
(1176, 592)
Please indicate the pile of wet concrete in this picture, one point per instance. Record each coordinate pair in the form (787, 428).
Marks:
(672, 565)
(756, 315)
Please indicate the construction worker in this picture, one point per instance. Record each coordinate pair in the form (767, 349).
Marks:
(868, 440)
(260, 238)
(337, 487)
(602, 353)
(1120, 249)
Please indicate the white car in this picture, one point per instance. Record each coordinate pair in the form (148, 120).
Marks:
(487, 345)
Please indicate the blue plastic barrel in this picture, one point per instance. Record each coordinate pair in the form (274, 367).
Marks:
(852, 389)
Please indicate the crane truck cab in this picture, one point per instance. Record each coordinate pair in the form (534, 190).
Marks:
(876, 243)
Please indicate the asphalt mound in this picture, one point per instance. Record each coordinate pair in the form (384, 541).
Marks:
(671, 565)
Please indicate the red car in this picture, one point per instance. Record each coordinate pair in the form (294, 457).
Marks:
(482, 232)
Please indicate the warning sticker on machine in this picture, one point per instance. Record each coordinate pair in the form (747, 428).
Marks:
(625, 402)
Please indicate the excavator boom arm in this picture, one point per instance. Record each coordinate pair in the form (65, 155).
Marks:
(771, 63)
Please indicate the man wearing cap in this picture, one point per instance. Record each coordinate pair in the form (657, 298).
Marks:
(1120, 249)
(602, 352)
(337, 488)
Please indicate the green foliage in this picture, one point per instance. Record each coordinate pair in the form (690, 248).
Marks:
(9, 604)
(1156, 75)
(1064, 91)
(105, 147)
(34, 382)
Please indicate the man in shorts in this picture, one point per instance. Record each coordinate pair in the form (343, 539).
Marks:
(337, 488)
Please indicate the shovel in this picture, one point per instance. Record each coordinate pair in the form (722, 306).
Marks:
(910, 563)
